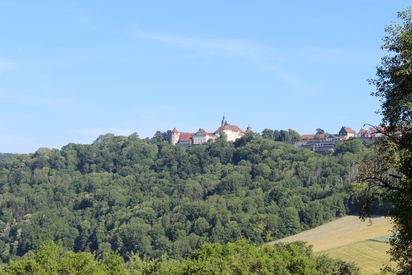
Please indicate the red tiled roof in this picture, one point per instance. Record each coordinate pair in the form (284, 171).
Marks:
(348, 130)
(186, 136)
(312, 136)
(228, 127)
(175, 130)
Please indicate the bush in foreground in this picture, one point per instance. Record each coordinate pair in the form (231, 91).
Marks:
(241, 257)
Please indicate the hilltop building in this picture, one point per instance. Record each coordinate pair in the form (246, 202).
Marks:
(326, 143)
(371, 133)
(186, 139)
(346, 132)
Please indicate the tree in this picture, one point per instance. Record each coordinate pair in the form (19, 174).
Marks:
(49, 259)
(294, 136)
(386, 175)
(268, 133)
(283, 136)
(353, 145)
(320, 131)
(242, 257)
(5, 155)
(276, 135)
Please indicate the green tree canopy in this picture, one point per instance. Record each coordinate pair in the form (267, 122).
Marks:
(387, 175)
(148, 198)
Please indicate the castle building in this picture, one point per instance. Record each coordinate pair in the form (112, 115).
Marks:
(186, 139)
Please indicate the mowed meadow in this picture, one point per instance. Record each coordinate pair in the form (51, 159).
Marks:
(350, 239)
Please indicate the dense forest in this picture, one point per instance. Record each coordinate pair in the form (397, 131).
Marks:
(147, 198)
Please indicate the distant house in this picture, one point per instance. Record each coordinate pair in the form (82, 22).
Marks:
(363, 133)
(346, 132)
(323, 146)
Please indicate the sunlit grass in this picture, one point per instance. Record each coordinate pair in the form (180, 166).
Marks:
(371, 256)
(350, 239)
(351, 236)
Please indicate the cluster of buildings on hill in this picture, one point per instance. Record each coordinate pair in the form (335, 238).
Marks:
(320, 143)
(201, 136)
(326, 143)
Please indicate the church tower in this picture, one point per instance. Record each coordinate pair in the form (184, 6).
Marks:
(224, 122)
(249, 129)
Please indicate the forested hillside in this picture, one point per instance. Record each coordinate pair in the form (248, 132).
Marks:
(150, 198)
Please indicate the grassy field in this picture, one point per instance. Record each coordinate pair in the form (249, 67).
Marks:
(371, 256)
(350, 239)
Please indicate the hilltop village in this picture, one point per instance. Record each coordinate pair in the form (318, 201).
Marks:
(186, 139)
(320, 142)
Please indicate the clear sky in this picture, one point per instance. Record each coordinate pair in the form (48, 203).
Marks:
(72, 70)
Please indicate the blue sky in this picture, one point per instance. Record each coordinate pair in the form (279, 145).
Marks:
(72, 70)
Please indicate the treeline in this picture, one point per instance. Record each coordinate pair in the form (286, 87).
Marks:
(148, 198)
(240, 257)
(5, 155)
(282, 135)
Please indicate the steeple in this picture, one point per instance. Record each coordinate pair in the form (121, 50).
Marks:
(249, 129)
(224, 122)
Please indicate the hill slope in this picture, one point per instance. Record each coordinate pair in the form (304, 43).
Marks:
(151, 198)
(350, 239)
